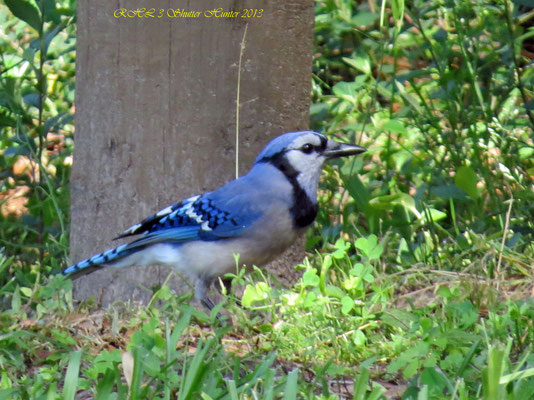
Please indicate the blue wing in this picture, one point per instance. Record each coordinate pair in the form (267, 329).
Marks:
(206, 217)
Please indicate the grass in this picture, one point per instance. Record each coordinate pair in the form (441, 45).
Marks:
(418, 283)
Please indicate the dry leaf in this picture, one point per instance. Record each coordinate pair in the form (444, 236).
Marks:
(128, 367)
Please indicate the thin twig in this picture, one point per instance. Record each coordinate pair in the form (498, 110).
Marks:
(506, 225)
(238, 103)
(42, 94)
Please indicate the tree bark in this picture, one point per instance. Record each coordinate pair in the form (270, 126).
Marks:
(156, 114)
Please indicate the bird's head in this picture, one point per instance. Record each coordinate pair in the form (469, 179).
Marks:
(301, 156)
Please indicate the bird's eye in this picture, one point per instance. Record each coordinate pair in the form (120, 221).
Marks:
(307, 148)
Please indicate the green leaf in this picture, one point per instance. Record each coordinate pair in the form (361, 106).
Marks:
(48, 37)
(468, 357)
(359, 338)
(394, 125)
(268, 393)
(232, 389)
(6, 394)
(15, 301)
(364, 18)
(398, 319)
(390, 201)
(518, 375)
(105, 385)
(509, 108)
(526, 152)
(448, 192)
(334, 291)
(31, 99)
(339, 254)
(346, 90)
(342, 245)
(493, 373)
(196, 370)
(50, 12)
(409, 97)
(375, 252)
(432, 215)
(26, 291)
(258, 292)
(395, 365)
(265, 328)
(71, 378)
(423, 393)
(310, 278)
(6, 120)
(291, 388)
(440, 35)
(425, 323)
(366, 244)
(360, 61)
(346, 305)
(445, 292)
(433, 380)
(360, 385)
(249, 296)
(341, 249)
(370, 247)
(310, 300)
(358, 191)
(172, 338)
(26, 11)
(466, 179)
(397, 7)
(357, 270)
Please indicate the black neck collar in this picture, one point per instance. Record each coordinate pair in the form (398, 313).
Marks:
(304, 210)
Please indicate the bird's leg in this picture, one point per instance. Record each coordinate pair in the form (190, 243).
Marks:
(201, 290)
(208, 303)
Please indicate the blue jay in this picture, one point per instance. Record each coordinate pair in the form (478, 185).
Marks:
(257, 216)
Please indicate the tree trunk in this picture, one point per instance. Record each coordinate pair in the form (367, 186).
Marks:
(156, 113)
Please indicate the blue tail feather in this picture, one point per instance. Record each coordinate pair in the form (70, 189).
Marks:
(97, 261)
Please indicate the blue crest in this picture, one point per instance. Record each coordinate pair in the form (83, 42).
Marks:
(278, 144)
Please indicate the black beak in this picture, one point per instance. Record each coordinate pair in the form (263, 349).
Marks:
(335, 150)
